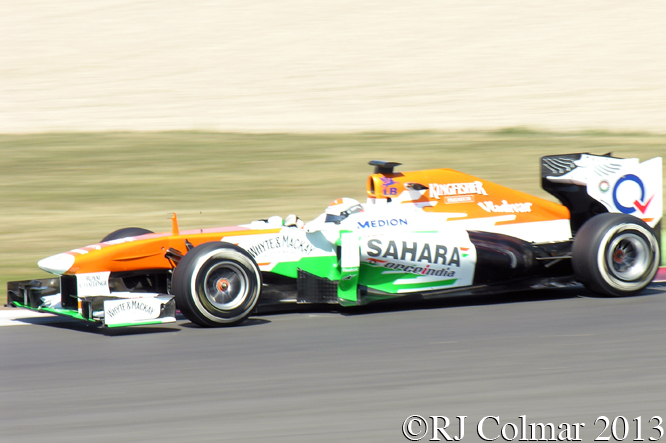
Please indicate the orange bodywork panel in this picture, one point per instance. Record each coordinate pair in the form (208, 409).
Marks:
(450, 191)
(147, 251)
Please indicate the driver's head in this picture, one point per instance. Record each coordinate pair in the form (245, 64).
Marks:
(342, 208)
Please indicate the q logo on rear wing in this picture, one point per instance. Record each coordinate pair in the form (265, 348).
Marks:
(623, 185)
(639, 203)
(636, 189)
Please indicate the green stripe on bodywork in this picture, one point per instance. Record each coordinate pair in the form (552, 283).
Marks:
(75, 314)
(427, 285)
(326, 267)
(375, 278)
(138, 323)
(63, 312)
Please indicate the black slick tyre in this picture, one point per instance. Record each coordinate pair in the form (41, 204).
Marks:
(126, 232)
(615, 254)
(216, 284)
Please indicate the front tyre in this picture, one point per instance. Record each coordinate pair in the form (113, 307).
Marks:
(216, 284)
(615, 254)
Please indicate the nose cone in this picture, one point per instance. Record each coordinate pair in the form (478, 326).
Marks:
(57, 264)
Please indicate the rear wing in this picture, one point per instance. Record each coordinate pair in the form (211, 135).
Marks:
(592, 184)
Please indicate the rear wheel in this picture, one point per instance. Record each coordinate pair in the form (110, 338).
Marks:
(216, 284)
(126, 232)
(615, 254)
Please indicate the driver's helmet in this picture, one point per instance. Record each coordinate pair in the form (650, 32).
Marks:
(342, 208)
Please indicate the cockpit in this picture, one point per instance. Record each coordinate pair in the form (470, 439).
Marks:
(342, 208)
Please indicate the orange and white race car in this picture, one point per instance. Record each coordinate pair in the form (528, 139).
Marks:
(421, 234)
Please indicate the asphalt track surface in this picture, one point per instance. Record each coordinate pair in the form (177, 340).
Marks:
(560, 356)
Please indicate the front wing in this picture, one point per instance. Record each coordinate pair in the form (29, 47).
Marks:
(51, 295)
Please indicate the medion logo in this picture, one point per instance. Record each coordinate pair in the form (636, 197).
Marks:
(383, 223)
(436, 189)
(506, 207)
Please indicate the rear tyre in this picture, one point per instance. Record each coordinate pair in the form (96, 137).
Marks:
(615, 254)
(126, 232)
(216, 284)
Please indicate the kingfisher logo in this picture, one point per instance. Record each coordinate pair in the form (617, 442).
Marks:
(456, 189)
(629, 192)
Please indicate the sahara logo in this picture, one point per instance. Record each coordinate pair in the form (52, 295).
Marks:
(415, 258)
(436, 189)
(640, 204)
(416, 252)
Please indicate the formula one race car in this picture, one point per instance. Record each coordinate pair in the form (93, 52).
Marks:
(421, 234)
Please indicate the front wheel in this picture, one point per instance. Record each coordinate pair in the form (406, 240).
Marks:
(615, 254)
(216, 284)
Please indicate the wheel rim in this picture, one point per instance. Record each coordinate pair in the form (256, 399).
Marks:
(628, 257)
(225, 285)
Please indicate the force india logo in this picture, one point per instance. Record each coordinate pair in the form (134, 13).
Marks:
(456, 192)
(423, 257)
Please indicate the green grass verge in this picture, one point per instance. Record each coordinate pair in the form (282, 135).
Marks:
(61, 191)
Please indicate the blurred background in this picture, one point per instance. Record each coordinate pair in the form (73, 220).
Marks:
(331, 65)
(115, 113)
